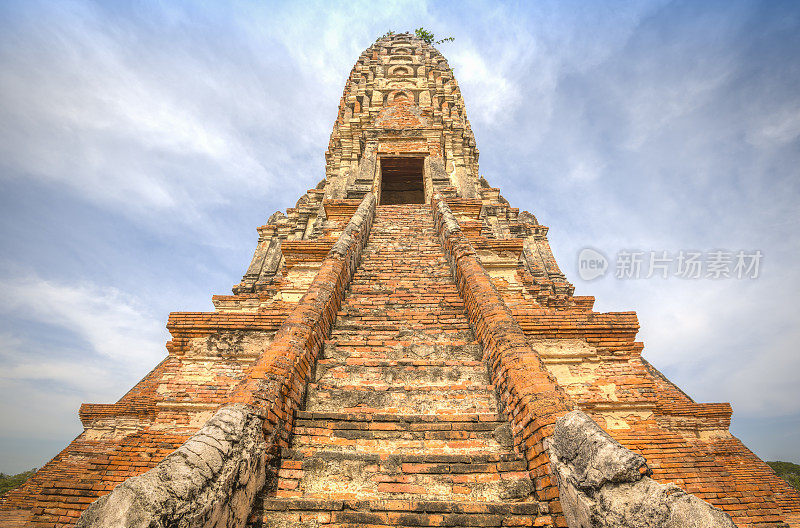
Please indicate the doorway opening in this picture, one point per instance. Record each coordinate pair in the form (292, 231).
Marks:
(402, 181)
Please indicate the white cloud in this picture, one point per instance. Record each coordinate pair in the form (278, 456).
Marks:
(491, 92)
(134, 121)
(114, 324)
(88, 344)
(777, 129)
(705, 335)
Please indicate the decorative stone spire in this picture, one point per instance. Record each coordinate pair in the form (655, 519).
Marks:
(401, 99)
(402, 133)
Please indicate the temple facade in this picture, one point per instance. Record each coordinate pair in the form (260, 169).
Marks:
(403, 350)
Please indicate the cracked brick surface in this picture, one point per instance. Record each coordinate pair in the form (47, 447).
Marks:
(401, 409)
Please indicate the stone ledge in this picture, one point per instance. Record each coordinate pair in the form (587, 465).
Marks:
(410, 506)
(305, 251)
(340, 210)
(460, 417)
(483, 458)
(143, 409)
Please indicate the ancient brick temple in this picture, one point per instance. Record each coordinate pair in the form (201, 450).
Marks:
(403, 350)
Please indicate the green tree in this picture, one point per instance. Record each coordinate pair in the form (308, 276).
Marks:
(9, 482)
(788, 472)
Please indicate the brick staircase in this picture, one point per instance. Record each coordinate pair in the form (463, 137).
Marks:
(401, 426)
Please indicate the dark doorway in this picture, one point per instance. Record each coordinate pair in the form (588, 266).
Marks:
(401, 181)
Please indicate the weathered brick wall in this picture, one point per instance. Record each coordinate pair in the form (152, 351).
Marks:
(401, 425)
(212, 479)
(532, 399)
(537, 405)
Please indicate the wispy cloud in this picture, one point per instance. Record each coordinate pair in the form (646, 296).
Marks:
(169, 131)
(673, 127)
(112, 323)
(62, 345)
(146, 119)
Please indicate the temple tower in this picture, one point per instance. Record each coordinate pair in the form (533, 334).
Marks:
(402, 133)
(403, 350)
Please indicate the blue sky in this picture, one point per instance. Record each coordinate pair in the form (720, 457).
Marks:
(142, 143)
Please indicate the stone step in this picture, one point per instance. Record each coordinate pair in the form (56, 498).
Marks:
(408, 221)
(374, 293)
(404, 260)
(400, 288)
(343, 475)
(458, 376)
(369, 288)
(392, 242)
(403, 338)
(370, 381)
(407, 315)
(408, 249)
(387, 266)
(430, 372)
(399, 307)
(441, 443)
(379, 305)
(393, 417)
(400, 400)
(418, 231)
(410, 258)
(422, 325)
(435, 435)
(435, 273)
(346, 324)
(315, 513)
(405, 362)
(419, 270)
(358, 348)
(398, 244)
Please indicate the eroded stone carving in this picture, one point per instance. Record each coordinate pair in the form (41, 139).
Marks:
(604, 485)
(210, 481)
